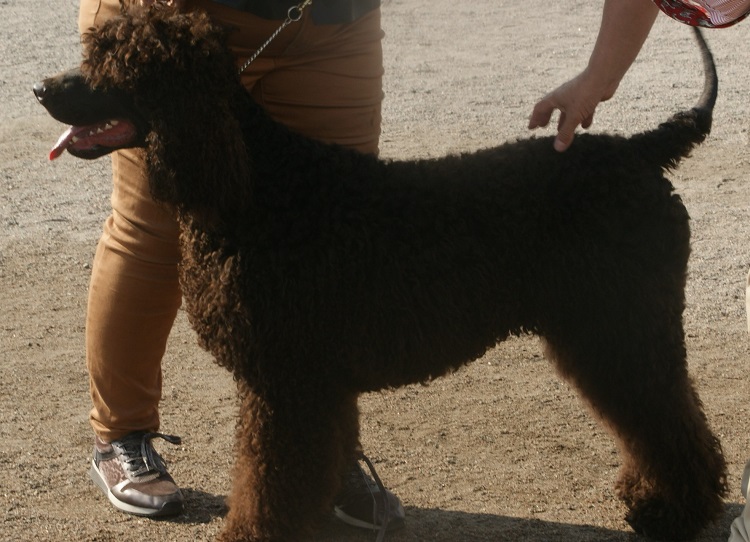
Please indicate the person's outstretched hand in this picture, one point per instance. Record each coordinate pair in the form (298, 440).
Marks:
(625, 26)
(577, 101)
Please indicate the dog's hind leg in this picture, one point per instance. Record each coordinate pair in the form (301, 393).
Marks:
(632, 370)
(292, 448)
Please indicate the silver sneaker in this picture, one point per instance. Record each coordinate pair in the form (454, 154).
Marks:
(134, 477)
(364, 502)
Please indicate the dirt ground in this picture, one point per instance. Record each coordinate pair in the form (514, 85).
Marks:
(502, 450)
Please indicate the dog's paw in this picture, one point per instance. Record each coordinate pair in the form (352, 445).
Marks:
(659, 519)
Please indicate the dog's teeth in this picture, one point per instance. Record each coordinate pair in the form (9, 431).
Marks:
(114, 122)
(108, 126)
(99, 131)
(73, 139)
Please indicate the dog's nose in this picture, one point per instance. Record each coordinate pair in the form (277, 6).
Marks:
(40, 90)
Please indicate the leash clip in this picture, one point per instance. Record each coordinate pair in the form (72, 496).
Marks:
(295, 12)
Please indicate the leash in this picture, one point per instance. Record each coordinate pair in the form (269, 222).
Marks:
(292, 16)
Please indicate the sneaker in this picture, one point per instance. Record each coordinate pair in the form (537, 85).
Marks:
(365, 503)
(134, 477)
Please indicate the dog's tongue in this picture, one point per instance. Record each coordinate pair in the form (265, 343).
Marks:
(62, 143)
(113, 134)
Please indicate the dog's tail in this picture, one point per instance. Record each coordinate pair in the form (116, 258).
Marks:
(674, 139)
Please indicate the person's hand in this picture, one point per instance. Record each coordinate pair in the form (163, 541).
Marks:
(625, 26)
(577, 101)
(179, 4)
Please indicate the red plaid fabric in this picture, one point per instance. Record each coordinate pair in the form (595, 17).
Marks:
(706, 13)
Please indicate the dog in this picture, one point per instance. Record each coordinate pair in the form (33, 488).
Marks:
(315, 273)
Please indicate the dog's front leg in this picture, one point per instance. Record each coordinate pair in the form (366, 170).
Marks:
(292, 448)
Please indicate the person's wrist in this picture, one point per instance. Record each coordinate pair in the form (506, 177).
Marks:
(599, 83)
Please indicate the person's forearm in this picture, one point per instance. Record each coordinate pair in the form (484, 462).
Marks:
(624, 28)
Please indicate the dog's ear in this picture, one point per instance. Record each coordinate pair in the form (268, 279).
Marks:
(195, 106)
(210, 154)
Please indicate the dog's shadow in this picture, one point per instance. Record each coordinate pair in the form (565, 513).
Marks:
(435, 525)
(201, 507)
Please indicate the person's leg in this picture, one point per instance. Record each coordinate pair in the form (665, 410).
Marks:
(325, 82)
(133, 300)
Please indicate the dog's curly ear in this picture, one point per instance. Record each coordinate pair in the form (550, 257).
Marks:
(192, 75)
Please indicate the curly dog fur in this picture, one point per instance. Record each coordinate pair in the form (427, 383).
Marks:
(316, 273)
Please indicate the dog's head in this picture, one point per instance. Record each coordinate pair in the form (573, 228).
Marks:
(143, 73)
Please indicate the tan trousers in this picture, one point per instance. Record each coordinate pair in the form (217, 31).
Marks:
(323, 81)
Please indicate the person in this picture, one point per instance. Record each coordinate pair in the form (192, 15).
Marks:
(625, 25)
(322, 76)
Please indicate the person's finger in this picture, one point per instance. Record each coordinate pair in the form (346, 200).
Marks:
(541, 114)
(562, 142)
(566, 128)
(587, 121)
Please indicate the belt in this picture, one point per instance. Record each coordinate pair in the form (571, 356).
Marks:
(323, 11)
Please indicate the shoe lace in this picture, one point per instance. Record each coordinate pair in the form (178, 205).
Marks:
(359, 480)
(139, 458)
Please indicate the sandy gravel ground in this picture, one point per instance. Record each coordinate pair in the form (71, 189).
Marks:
(500, 451)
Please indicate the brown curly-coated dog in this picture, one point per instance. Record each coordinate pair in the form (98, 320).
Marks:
(315, 273)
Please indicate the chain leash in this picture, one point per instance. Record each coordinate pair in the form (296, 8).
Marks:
(292, 16)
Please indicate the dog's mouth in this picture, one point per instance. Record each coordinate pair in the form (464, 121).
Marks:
(95, 140)
(102, 121)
